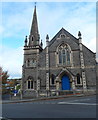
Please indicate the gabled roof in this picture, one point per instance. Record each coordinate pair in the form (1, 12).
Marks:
(63, 31)
(89, 49)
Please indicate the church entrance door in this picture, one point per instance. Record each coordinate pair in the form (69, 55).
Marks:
(65, 82)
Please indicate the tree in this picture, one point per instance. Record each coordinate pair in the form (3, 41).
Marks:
(3, 78)
(12, 83)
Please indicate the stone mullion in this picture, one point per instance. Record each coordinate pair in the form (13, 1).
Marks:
(73, 83)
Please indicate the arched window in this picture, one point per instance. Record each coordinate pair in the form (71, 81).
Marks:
(32, 38)
(28, 63)
(52, 80)
(78, 79)
(31, 63)
(64, 54)
(60, 57)
(30, 83)
(62, 35)
(68, 56)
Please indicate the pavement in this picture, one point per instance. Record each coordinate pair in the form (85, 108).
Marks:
(40, 98)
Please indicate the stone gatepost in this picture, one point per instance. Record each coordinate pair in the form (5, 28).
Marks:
(73, 84)
(57, 86)
(84, 82)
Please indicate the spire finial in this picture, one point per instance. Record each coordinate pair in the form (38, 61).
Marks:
(26, 40)
(79, 34)
(47, 40)
(80, 38)
(41, 43)
(35, 4)
(34, 30)
(47, 37)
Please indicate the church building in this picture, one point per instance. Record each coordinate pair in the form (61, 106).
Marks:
(65, 64)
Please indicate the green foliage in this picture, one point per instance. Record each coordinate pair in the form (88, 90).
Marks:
(18, 87)
(8, 85)
(3, 77)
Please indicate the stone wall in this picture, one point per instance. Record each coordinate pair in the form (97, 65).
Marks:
(73, 69)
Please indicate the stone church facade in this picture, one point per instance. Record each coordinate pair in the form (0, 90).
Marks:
(65, 64)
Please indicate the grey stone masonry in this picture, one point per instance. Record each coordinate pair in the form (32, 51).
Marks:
(43, 70)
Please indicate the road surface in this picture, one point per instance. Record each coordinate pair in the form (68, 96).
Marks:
(71, 107)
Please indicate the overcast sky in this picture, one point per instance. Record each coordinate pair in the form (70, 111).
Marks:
(16, 23)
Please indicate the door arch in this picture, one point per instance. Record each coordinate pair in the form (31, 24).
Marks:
(65, 82)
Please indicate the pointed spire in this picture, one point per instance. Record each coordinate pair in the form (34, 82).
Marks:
(34, 34)
(41, 43)
(80, 38)
(26, 41)
(47, 40)
(79, 34)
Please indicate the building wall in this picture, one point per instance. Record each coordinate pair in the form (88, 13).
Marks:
(73, 69)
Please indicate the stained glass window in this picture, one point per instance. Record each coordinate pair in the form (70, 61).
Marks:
(78, 79)
(30, 84)
(64, 55)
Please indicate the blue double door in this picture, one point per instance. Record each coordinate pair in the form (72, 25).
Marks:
(65, 83)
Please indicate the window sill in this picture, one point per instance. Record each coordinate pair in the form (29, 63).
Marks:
(60, 65)
(78, 84)
(30, 89)
(52, 85)
(30, 67)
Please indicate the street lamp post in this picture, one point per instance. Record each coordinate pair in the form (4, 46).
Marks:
(15, 91)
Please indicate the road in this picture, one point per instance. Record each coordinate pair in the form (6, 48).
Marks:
(71, 107)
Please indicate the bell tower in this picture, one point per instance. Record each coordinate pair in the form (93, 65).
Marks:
(32, 49)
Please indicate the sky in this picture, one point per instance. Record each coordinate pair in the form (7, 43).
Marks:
(52, 16)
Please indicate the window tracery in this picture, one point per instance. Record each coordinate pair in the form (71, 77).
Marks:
(78, 79)
(30, 83)
(31, 63)
(64, 54)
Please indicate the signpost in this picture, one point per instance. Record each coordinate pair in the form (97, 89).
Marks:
(15, 91)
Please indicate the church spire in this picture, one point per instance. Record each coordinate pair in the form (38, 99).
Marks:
(34, 34)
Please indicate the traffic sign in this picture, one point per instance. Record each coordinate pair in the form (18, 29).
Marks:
(16, 91)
